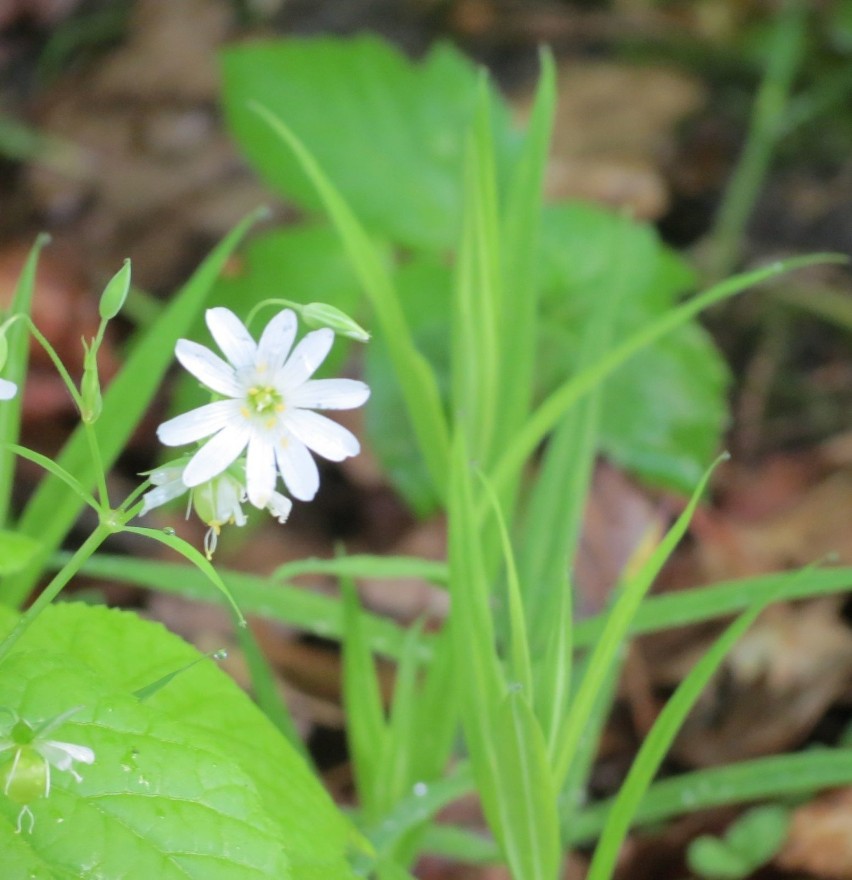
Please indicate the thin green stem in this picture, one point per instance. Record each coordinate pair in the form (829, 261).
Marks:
(55, 587)
(97, 460)
(765, 128)
(60, 367)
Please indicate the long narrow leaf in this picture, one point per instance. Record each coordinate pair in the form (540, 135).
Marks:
(520, 667)
(543, 420)
(658, 613)
(366, 729)
(776, 776)
(197, 559)
(618, 621)
(15, 370)
(520, 289)
(417, 379)
(526, 792)
(477, 319)
(657, 744)
(366, 565)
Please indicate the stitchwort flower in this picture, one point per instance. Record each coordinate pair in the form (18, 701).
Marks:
(27, 777)
(266, 407)
(217, 502)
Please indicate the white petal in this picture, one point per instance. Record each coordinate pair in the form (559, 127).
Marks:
(167, 473)
(322, 435)
(62, 754)
(280, 506)
(207, 367)
(198, 423)
(7, 389)
(260, 470)
(231, 336)
(306, 357)
(329, 394)
(297, 468)
(276, 341)
(216, 454)
(162, 494)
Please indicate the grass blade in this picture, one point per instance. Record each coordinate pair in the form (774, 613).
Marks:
(544, 419)
(15, 370)
(417, 379)
(312, 612)
(657, 743)
(776, 776)
(698, 604)
(618, 620)
(366, 730)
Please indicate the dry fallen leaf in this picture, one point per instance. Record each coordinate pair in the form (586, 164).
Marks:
(819, 841)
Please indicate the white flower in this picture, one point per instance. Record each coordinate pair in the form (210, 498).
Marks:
(266, 410)
(217, 502)
(7, 389)
(168, 485)
(28, 777)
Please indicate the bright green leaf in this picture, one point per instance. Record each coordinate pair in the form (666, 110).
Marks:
(192, 782)
(389, 134)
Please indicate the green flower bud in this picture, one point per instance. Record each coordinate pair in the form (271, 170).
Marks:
(115, 293)
(323, 315)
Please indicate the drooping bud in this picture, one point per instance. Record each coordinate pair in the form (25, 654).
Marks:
(323, 315)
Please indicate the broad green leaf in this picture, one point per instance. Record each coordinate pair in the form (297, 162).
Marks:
(192, 782)
(16, 551)
(389, 132)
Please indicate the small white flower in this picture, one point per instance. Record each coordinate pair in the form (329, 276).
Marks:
(7, 389)
(217, 502)
(28, 776)
(168, 484)
(266, 410)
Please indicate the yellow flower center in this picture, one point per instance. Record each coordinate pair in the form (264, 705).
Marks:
(264, 400)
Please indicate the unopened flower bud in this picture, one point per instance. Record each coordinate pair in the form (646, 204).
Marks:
(323, 315)
(115, 293)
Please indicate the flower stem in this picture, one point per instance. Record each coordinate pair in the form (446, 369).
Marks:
(97, 460)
